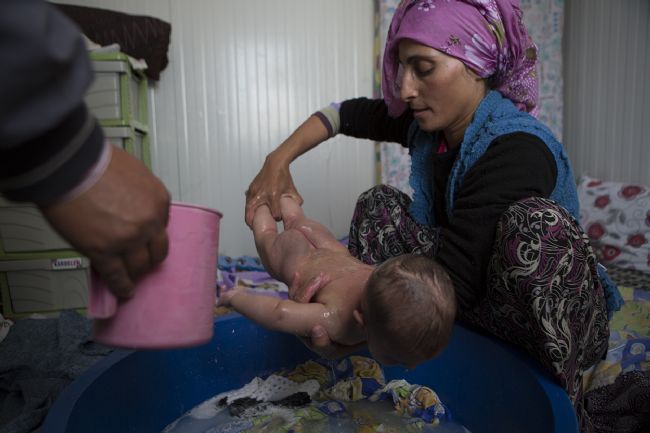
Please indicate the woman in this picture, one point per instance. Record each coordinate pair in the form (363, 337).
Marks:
(494, 195)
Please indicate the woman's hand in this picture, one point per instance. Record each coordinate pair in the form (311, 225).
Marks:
(272, 182)
(274, 179)
(319, 342)
(225, 296)
(119, 223)
(304, 292)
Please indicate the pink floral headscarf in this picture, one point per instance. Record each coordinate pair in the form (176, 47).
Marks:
(486, 35)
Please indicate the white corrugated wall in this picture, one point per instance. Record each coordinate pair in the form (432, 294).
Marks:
(242, 75)
(607, 88)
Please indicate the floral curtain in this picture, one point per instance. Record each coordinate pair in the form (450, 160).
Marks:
(544, 19)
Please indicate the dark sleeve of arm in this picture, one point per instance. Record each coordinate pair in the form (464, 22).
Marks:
(514, 167)
(48, 138)
(368, 118)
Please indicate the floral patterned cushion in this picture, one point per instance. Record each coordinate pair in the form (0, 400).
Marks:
(616, 217)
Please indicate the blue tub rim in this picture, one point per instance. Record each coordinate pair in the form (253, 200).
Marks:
(564, 417)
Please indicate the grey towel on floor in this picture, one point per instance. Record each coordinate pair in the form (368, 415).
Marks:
(38, 359)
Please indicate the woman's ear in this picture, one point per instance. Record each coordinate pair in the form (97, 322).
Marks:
(487, 82)
(358, 317)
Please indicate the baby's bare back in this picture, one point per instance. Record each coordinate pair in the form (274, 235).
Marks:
(308, 249)
(341, 294)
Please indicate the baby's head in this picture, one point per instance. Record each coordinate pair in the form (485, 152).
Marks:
(408, 310)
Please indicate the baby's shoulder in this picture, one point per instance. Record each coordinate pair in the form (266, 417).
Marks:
(341, 291)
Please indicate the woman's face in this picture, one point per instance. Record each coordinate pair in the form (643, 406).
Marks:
(440, 90)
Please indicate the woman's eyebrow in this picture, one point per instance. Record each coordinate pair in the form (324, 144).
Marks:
(418, 57)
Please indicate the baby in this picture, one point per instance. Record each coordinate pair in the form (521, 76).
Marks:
(403, 309)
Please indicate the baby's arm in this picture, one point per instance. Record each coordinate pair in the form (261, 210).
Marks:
(277, 314)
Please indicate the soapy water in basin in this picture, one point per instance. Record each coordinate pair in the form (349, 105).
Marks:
(361, 415)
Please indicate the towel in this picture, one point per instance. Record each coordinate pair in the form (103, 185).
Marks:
(323, 394)
(141, 37)
(38, 359)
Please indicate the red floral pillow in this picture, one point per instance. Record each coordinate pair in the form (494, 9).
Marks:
(616, 217)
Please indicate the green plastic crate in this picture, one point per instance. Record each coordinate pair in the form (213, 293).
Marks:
(131, 139)
(118, 94)
(44, 285)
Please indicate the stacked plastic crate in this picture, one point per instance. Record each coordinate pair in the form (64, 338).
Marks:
(118, 98)
(39, 271)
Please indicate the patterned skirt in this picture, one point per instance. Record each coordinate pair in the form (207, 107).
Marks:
(543, 293)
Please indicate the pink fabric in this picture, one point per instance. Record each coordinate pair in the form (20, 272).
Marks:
(488, 36)
(442, 144)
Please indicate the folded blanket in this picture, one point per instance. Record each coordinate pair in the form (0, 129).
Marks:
(141, 37)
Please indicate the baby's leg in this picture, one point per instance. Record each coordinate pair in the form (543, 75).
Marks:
(292, 213)
(318, 235)
(281, 253)
(265, 232)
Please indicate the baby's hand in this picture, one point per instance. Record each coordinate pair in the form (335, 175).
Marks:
(305, 292)
(225, 296)
(319, 342)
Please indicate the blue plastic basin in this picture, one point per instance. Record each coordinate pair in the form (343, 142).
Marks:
(489, 386)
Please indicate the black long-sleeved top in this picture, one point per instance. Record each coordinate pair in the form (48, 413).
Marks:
(48, 138)
(514, 167)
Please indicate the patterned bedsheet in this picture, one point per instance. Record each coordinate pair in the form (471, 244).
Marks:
(629, 341)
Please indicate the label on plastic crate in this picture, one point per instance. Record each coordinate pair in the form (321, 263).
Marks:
(67, 263)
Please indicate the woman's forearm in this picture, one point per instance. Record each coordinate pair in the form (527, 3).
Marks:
(274, 178)
(308, 135)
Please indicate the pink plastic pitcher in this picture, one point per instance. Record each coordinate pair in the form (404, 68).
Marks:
(173, 306)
